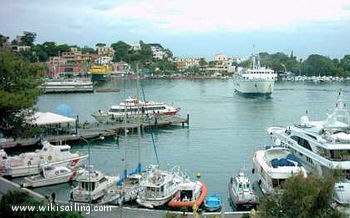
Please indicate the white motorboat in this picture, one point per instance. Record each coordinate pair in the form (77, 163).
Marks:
(124, 193)
(255, 81)
(159, 186)
(92, 186)
(30, 163)
(241, 192)
(51, 176)
(274, 165)
(322, 146)
(133, 107)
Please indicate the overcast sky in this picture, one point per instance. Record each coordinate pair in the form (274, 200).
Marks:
(188, 27)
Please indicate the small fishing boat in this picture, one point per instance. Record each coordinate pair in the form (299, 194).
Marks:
(50, 176)
(159, 187)
(127, 189)
(213, 203)
(241, 192)
(190, 193)
(92, 186)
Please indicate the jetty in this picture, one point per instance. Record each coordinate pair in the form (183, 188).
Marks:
(94, 130)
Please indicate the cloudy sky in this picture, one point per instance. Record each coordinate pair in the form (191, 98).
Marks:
(188, 27)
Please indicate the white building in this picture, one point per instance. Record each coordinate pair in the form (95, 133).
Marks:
(220, 57)
(158, 52)
(135, 46)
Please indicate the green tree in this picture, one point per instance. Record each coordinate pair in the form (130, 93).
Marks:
(316, 65)
(18, 92)
(87, 50)
(121, 51)
(3, 39)
(300, 197)
(100, 44)
(28, 38)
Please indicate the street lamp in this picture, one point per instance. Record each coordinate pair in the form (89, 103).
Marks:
(89, 161)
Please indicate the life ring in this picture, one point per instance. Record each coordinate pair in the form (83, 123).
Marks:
(49, 157)
(56, 173)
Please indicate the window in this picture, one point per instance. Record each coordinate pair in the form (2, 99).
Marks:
(302, 142)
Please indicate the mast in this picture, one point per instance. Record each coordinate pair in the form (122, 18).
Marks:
(138, 119)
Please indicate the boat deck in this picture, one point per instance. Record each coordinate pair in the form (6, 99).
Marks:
(95, 130)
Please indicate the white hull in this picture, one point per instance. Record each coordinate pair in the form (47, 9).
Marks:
(254, 86)
(39, 182)
(269, 177)
(27, 170)
(152, 203)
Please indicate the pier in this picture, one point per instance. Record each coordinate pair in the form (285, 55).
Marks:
(95, 130)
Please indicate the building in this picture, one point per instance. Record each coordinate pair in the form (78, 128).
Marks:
(135, 46)
(158, 52)
(105, 51)
(183, 63)
(220, 57)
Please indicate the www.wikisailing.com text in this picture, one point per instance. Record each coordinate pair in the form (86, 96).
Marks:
(68, 207)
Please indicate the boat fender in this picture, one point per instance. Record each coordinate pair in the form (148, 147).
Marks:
(259, 182)
(29, 163)
(253, 171)
(49, 157)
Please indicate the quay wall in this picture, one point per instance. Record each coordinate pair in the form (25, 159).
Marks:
(116, 212)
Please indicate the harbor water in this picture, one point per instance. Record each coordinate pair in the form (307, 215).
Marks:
(224, 130)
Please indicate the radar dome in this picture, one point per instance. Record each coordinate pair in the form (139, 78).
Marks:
(304, 120)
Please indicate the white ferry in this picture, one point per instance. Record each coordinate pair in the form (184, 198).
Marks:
(255, 81)
(131, 107)
(67, 85)
(322, 146)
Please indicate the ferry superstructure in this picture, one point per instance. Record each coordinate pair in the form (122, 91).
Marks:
(322, 146)
(132, 106)
(255, 81)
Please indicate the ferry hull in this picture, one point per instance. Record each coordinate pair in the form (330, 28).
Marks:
(254, 88)
(99, 77)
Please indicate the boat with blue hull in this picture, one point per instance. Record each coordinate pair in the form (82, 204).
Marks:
(213, 203)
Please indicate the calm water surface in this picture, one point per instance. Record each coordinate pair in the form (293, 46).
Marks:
(225, 129)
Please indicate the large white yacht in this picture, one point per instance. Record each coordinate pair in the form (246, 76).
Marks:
(273, 166)
(30, 163)
(322, 146)
(255, 81)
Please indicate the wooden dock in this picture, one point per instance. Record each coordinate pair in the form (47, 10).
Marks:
(95, 130)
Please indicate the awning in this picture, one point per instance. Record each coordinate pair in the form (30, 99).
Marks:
(48, 118)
